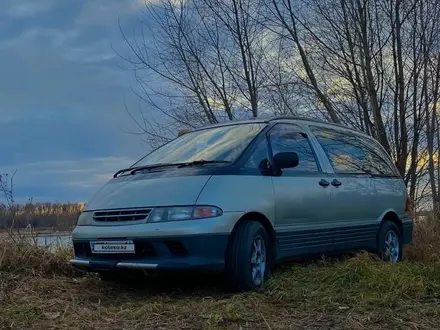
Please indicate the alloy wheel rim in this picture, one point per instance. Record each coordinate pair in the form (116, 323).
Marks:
(392, 246)
(258, 260)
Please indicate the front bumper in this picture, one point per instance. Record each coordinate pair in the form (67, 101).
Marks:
(165, 253)
(194, 244)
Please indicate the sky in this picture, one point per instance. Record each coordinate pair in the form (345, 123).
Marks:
(63, 125)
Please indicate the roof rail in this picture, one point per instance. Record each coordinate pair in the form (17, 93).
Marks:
(315, 121)
(299, 118)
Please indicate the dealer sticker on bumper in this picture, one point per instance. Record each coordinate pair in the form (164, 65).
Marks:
(112, 246)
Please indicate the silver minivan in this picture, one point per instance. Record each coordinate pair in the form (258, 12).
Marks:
(242, 196)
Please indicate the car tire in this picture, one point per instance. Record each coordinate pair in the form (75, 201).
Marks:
(389, 244)
(248, 257)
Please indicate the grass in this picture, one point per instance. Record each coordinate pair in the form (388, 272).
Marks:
(426, 241)
(359, 292)
(39, 290)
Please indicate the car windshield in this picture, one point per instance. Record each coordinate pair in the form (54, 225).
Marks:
(224, 143)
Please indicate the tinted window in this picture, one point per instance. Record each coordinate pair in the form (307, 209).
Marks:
(288, 138)
(379, 162)
(259, 156)
(225, 143)
(351, 154)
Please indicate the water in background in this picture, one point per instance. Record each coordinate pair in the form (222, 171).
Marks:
(53, 240)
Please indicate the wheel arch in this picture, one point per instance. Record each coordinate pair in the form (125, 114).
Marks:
(261, 218)
(392, 216)
(389, 216)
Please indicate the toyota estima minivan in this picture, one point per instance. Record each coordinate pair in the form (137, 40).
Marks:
(242, 196)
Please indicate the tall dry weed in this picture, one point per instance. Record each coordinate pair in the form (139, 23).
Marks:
(26, 257)
(426, 240)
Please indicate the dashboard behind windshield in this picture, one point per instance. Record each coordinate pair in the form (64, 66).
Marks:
(224, 143)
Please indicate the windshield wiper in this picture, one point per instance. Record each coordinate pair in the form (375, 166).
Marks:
(202, 162)
(123, 170)
(140, 168)
(133, 170)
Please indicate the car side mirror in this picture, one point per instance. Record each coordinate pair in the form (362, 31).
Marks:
(286, 160)
(264, 165)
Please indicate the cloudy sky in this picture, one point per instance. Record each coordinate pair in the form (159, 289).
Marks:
(62, 92)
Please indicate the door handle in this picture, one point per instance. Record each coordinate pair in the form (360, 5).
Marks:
(336, 183)
(324, 183)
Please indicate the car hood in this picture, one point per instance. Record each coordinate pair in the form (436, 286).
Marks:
(147, 190)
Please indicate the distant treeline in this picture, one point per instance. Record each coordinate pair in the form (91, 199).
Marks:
(59, 216)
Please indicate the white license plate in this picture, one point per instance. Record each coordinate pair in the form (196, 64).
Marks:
(112, 247)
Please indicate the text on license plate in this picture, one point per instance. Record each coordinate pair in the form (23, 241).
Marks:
(112, 247)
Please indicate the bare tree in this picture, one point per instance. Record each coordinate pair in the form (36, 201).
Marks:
(209, 56)
(285, 16)
(9, 207)
(242, 23)
(371, 64)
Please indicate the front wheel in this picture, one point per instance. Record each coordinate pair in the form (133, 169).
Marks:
(390, 242)
(247, 261)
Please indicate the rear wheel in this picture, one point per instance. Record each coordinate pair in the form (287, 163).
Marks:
(390, 242)
(247, 261)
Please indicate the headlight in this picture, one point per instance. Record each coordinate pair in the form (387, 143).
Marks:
(178, 213)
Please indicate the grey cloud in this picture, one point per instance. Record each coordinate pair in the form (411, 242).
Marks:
(62, 97)
(26, 8)
(34, 39)
(107, 12)
(86, 175)
(39, 73)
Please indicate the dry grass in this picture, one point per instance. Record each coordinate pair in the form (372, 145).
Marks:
(426, 241)
(29, 258)
(39, 291)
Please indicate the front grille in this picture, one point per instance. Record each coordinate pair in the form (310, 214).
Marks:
(121, 215)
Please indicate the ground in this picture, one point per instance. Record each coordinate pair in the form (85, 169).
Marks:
(40, 290)
(355, 293)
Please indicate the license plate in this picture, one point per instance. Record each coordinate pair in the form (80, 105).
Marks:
(112, 247)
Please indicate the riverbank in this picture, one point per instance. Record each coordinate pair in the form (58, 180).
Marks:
(50, 239)
(34, 231)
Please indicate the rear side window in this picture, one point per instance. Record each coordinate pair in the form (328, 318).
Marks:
(378, 160)
(350, 154)
(289, 138)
